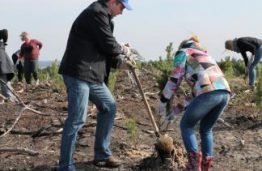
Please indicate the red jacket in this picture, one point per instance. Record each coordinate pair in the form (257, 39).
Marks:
(31, 50)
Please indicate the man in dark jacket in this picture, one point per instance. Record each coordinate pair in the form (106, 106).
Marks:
(90, 46)
(243, 45)
(18, 62)
(6, 66)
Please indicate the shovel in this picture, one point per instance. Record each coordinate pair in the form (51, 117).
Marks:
(165, 143)
(150, 113)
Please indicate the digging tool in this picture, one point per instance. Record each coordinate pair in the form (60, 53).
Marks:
(145, 101)
(165, 144)
(131, 79)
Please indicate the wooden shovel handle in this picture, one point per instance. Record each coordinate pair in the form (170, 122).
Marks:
(146, 103)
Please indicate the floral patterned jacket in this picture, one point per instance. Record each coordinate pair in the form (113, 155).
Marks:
(199, 69)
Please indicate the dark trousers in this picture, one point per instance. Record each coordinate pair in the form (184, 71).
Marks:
(20, 71)
(30, 68)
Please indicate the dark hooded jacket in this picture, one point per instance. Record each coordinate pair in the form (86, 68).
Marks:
(247, 44)
(90, 45)
(6, 65)
(4, 35)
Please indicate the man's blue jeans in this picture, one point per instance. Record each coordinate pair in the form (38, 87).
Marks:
(205, 108)
(252, 67)
(79, 92)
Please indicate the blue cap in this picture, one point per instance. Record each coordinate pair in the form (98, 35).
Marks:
(126, 5)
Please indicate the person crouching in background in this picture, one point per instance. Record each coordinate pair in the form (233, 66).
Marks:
(19, 63)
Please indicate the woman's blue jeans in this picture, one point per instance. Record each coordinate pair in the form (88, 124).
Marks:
(252, 67)
(79, 92)
(205, 108)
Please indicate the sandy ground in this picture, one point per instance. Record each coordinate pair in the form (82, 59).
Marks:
(236, 149)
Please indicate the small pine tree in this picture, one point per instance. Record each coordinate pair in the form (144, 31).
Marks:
(169, 52)
(132, 129)
(226, 66)
(164, 66)
(238, 67)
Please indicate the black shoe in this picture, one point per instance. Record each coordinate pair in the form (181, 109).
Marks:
(109, 162)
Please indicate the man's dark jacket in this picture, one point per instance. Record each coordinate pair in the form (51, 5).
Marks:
(90, 44)
(248, 44)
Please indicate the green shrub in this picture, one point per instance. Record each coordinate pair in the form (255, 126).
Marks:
(259, 87)
(232, 67)
(112, 80)
(227, 67)
(51, 74)
(238, 67)
(164, 66)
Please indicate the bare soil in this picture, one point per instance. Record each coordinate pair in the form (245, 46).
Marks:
(236, 149)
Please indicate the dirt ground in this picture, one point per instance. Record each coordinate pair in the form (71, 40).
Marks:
(238, 148)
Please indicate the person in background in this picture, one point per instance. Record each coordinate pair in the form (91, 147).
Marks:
(30, 51)
(18, 62)
(243, 45)
(211, 94)
(6, 67)
(90, 48)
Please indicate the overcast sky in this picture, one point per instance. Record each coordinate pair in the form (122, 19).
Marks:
(149, 27)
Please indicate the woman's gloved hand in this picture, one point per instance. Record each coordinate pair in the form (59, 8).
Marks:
(170, 117)
(162, 109)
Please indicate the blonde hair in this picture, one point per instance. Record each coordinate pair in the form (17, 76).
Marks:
(195, 38)
(229, 44)
(23, 35)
